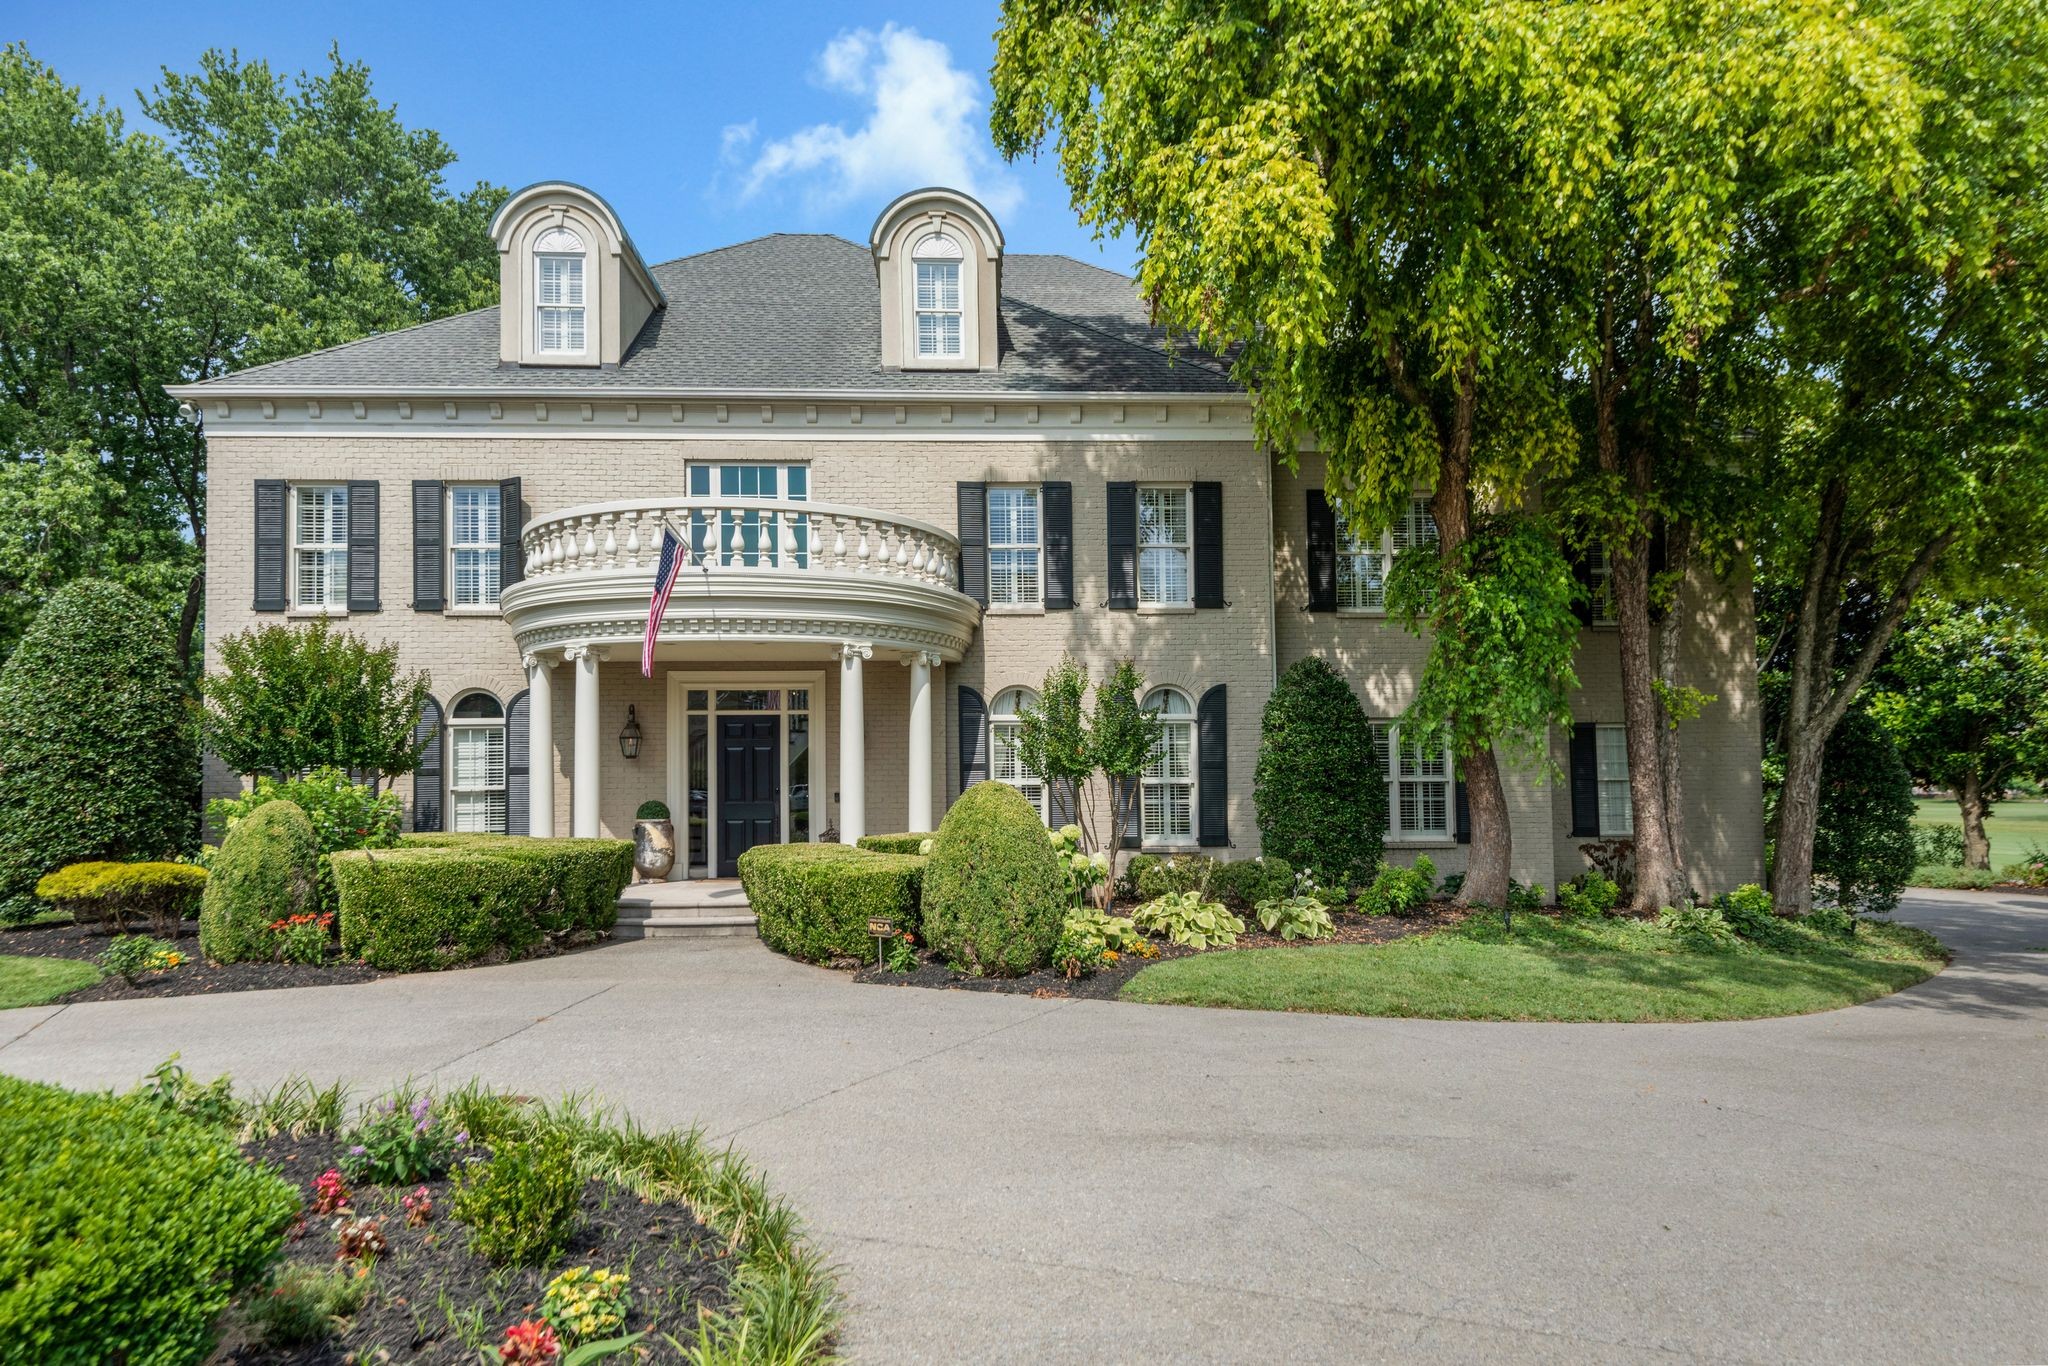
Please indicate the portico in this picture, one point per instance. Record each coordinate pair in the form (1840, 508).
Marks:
(773, 638)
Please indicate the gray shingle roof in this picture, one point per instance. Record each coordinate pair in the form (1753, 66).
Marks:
(791, 312)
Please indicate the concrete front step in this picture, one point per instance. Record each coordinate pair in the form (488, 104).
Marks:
(676, 910)
(683, 927)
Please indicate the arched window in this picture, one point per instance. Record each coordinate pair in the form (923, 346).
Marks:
(558, 292)
(1005, 733)
(476, 775)
(1169, 780)
(937, 260)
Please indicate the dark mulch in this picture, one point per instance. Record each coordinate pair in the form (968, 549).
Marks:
(1105, 983)
(194, 977)
(435, 1300)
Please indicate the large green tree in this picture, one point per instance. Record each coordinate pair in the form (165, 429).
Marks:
(1964, 695)
(1359, 203)
(276, 215)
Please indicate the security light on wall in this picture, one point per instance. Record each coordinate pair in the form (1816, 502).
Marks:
(629, 735)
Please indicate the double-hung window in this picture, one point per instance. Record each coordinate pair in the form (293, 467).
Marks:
(474, 521)
(1600, 582)
(476, 734)
(1165, 546)
(1006, 734)
(1167, 795)
(1419, 783)
(558, 292)
(1617, 807)
(320, 546)
(1362, 565)
(937, 262)
(1013, 548)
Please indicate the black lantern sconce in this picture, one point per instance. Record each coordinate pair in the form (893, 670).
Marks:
(629, 735)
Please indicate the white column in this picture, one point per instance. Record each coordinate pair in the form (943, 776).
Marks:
(920, 785)
(540, 747)
(853, 761)
(583, 788)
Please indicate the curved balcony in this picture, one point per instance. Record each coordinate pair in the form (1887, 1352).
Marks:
(756, 570)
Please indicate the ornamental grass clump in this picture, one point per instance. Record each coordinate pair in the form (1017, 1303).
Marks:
(995, 893)
(267, 869)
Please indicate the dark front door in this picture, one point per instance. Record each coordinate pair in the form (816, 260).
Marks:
(749, 787)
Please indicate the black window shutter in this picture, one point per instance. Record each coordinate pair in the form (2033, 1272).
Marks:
(1056, 509)
(1130, 812)
(973, 738)
(1209, 544)
(1585, 778)
(426, 779)
(272, 496)
(1060, 802)
(1212, 745)
(362, 545)
(971, 515)
(1123, 547)
(1463, 828)
(1582, 570)
(511, 517)
(428, 538)
(518, 765)
(1322, 553)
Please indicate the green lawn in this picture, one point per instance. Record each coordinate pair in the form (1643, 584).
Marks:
(2013, 827)
(1550, 970)
(32, 981)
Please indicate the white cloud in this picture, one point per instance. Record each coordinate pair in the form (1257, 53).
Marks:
(923, 128)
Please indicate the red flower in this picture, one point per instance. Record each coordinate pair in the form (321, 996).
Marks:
(529, 1342)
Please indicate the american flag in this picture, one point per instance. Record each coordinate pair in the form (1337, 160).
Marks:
(665, 576)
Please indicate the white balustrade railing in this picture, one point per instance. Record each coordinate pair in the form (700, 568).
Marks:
(747, 533)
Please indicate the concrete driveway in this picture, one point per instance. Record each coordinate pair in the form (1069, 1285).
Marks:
(1010, 1179)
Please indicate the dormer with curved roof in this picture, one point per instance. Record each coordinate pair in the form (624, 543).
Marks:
(573, 289)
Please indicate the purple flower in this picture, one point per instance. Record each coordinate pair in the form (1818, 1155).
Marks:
(462, 1138)
(357, 1151)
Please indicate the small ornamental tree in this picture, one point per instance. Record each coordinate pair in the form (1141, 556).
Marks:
(1052, 735)
(1320, 794)
(1863, 844)
(99, 754)
(1122, 736)
(286, 699)
(1067, 745)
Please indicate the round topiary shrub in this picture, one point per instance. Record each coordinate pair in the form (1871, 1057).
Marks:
(268, 868)
(1863, 843)
(1319, 790)
(99, 754)
(994, 892)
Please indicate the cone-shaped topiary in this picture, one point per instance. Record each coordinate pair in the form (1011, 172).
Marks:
(1320, 794)
(268, 868)
(994, 892)
(99, 752)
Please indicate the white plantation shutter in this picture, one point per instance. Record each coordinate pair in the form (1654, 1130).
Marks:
(477, 777)
(559, 298)
(320, 538)
(938, 304)
(1617, 804)
(1168, 799)
(476, 521)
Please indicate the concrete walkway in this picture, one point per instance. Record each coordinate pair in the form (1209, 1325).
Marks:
(1004, 1178)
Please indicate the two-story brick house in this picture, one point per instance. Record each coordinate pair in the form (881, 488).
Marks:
(911, 475)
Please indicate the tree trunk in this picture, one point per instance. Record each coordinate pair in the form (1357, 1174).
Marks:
(1487, 865)
(1976, 844)
(1798, 820)
(1657, 882)
(1679, 541)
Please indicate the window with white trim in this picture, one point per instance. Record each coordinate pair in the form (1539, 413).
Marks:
(1617, 805)
(751, 537)
(476, 775)
(1363, 565)
(1600, 583)
(1420, 785)
(473, 523)
(939, 320)
(558, 293)
(1013, 547)
(1165, 546)
(1006, 735)
(1167, 796)
(320, 546)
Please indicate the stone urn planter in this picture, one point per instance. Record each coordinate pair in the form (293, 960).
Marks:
(654, 842)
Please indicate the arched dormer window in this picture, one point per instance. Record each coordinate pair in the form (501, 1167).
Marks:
(937, 260)
(558, 261)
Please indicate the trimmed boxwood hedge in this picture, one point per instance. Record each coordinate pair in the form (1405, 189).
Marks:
(165, 893)
(995, 894)
(910, 843)
(442, 901)
(268, 868)
(125, 1230)
(813, 901)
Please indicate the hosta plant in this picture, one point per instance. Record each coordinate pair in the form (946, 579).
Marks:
(1295, 917)
(586, 1303)
(1185, 918)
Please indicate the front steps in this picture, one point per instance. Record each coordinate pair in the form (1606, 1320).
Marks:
(680, 910)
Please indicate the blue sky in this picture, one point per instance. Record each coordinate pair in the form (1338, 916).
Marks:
(703, 124)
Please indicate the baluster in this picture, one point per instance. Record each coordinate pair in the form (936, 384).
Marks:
(778, 543)
(586, 552)
(865, 553)
(838, 561)
(610, 540)
(902, 549)
(633, 540)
